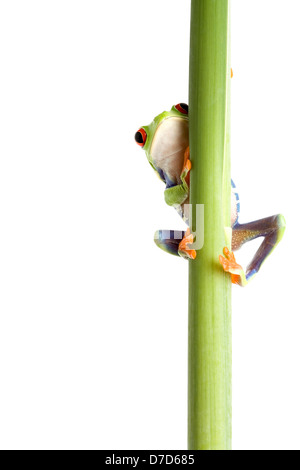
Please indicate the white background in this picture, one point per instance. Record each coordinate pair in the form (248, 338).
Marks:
(93, 317)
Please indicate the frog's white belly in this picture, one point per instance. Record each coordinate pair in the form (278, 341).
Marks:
(169, 144)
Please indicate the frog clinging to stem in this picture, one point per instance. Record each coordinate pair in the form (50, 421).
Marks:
(166, 143)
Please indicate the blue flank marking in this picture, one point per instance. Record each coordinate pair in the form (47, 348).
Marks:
(164, 177)
(169, 182)
(237, 198)
(161, 174)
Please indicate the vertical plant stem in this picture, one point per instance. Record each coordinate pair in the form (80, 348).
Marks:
(209, 421)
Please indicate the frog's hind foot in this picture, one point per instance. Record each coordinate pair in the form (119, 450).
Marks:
(230, 265)
(184, 249)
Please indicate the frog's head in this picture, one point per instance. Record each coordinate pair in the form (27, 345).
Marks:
(166, 138)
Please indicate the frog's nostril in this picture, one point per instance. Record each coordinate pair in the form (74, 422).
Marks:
(140, 137)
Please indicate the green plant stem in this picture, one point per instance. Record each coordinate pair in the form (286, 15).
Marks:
(209, 410)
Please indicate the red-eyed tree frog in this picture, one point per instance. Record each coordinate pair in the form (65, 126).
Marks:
(166, 143)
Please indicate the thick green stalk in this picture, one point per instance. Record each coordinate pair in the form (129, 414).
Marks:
(209, 287)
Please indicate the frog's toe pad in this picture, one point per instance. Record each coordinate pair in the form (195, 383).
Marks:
(184, 249)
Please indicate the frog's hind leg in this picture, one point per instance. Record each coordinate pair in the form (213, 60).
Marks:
(169, 240)
(271, 228)
(175, 243)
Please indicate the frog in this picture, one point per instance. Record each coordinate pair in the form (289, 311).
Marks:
(166, 144)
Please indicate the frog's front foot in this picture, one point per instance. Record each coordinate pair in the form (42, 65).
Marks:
(187, 166)
(230, 266)
(184, 250)
(187, 162)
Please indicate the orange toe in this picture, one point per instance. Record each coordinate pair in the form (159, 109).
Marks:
(188, 165)
(225, 263)
(226, 251)
(229, 254)
(235, 279)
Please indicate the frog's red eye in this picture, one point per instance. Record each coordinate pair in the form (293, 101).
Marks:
(141, 137)
(182, 108)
